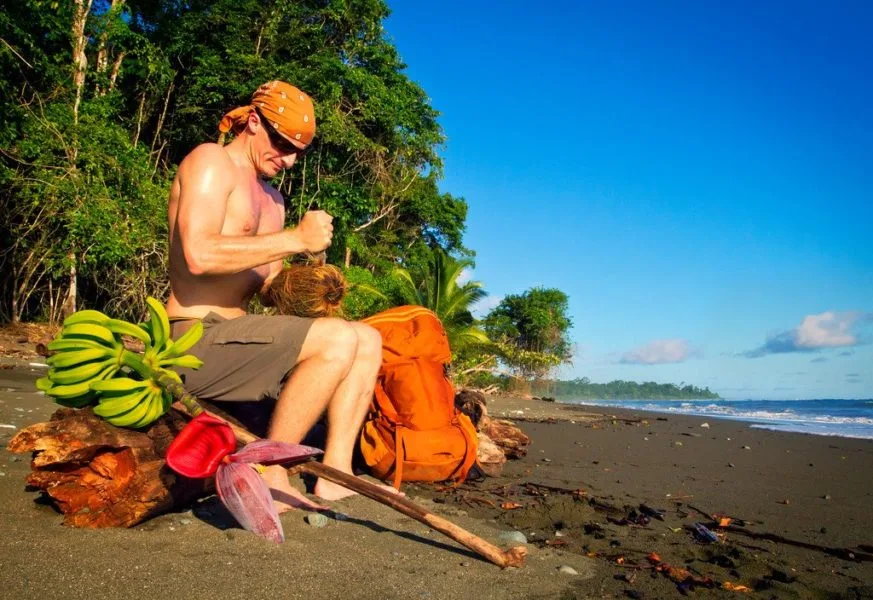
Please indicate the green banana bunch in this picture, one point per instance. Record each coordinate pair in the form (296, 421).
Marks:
(90, 363)
(127, 402)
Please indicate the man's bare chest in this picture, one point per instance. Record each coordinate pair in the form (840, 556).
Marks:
(251, 210)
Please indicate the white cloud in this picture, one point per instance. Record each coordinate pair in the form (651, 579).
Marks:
(484, 306)
(825, 330)
(464, 276)
(658, 352)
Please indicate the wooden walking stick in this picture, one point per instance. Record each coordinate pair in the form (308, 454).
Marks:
(514, 557)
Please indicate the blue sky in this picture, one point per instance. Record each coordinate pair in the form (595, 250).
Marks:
(696, 176)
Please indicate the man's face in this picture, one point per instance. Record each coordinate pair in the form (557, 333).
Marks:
(275, 152)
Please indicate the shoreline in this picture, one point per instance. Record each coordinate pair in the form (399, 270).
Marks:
(759, 414)
(585, 470)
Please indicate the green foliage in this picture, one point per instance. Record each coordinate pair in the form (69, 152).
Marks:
(436, 287)
(365, 296)
(530, 331)
(87, 181)
(583, 389)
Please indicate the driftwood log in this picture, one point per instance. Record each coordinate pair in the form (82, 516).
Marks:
(99, 475)
(499, 439)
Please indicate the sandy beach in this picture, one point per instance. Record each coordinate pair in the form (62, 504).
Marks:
(585, 476)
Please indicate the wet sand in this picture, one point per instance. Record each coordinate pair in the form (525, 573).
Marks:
(378, 553)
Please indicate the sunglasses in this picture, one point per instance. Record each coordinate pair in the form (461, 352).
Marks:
(281, 144)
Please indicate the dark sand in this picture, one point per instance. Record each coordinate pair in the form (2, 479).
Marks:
(378, 553)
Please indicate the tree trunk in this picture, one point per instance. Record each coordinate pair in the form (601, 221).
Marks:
(70, 302)
(102, 62)
(99, 475)
(80, 59)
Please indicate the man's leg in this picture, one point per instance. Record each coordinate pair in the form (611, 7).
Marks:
(348, 408)
(324, 361)
(336, 372)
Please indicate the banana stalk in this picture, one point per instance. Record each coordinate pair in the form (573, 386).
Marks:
(167, 383)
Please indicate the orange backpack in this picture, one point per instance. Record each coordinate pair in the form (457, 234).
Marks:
(413, 431)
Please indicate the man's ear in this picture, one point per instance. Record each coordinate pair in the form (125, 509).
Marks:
(253, 122)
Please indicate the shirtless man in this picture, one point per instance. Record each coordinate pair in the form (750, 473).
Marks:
(227, 242)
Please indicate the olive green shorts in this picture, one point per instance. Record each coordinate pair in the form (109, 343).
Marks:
(247, 358)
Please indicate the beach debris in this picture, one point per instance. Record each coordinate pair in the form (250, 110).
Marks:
(849, 554)
(683, 578)
(704, 534)
(512, 537)
(705, 425)
(557, 543)
(735, 587)
(511, 505)
(655, 513)
(747, 447)
(316, 520)
(826, 497)
(567, 570)
(633, 518)
(679, 498)
(732, 465)
(785, 501)
(473, 404)
(509, 438)
(490, 456)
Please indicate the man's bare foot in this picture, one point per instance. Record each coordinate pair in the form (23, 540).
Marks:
(328, 490)
(285, 496)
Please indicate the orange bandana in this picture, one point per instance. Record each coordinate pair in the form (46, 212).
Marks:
(288, 110)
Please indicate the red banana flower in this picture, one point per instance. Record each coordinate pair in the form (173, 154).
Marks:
(205, 447)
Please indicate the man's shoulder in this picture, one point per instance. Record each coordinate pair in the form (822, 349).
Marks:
(207, 161)
(208, 153)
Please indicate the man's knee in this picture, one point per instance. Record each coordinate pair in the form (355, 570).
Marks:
(369, 343)
(338, 341)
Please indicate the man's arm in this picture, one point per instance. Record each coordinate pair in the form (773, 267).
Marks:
(206, 181)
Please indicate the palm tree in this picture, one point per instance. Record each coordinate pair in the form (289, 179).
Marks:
(437, 288)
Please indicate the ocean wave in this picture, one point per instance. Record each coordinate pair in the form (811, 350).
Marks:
(862, 434)
(848, 418)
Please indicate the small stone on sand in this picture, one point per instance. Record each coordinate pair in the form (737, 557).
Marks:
(316, 519)
(512, 537)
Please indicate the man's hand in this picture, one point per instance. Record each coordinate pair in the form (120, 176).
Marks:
(315, 230)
